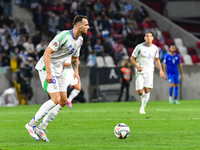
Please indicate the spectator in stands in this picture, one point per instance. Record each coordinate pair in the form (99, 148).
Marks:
(36, 38)
(34, 4)
(24, 76)
(67, 5)
(29, 47)
(97, 7)
(20, 45)
(126, 60)
(115, 6)
(118, 46)
(126, 8)
(2, 49)
(9, 20)
(118, 56)
(144, 13)
(107, 47)
(106, 24)
(23, 28)
(39, 18)
(40, 48)
(91, 61)
(125, 79)
(63, 20)
(7, 7)
(16, 60)
(131, 20)
(98, 48)
(6, 39)
(98, 25)
(60, 7)
(5, 60)
(53, 23)
(138, 17)
(87, 48)
(131, 39)
(11, 49)
(74, 6)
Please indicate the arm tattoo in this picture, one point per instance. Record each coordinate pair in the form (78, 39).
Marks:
(74, 64)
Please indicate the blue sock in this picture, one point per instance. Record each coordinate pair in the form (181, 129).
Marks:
(170, 91)
(176, 90)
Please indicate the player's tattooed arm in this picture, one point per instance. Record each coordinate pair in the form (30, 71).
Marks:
(74, 64)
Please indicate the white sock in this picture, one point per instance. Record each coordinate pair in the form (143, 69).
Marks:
(50, 116)
(44, 109)
(73, 94)
(145, 100)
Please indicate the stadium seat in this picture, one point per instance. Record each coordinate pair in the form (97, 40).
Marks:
(187, 59)
(195, 59)
(198, 44)
(100, 61)
(169, 42)
(182, 50)
(130, 50)
(191, 51)
(109, 61)
(166, 34)
(178, 42)
(181, 59)
(155, 42)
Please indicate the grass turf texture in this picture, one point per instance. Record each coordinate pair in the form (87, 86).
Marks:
(90, 126)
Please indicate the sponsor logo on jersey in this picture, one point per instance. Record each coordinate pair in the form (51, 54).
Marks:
(55, 44)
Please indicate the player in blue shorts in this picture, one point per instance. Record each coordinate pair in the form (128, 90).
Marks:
(172, 62)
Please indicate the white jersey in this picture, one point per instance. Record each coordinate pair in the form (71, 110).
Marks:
(145, 56)
(64, 46)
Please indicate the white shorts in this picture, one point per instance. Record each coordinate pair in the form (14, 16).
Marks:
(69, 78)
(57, 85)
(144, 80)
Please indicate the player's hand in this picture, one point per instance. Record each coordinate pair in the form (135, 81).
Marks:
(182, 76)
(49, 78)
(139, 69)
(76, 75)
(162, 74)
(165, 77)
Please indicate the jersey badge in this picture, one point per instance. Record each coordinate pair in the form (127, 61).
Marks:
(55, 44)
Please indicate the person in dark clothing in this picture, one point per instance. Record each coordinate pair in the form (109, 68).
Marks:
(24, 76)
(126, 77)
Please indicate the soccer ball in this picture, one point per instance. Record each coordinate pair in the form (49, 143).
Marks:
(121, 131)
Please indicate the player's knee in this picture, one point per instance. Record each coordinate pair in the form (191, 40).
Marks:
(140, 92)
(56, 99)
(147, 90)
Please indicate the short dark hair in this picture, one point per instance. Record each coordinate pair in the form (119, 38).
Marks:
(150, 32)
(79, 18)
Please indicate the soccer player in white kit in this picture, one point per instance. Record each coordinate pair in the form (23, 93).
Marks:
(143, 58)
(50, 67)
(70, 80)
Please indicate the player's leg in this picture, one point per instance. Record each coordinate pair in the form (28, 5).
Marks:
(58, 98)
(171, 88)
(148, 84)
(73, 94)
(176, 88)
(44, 109)
(139, 83)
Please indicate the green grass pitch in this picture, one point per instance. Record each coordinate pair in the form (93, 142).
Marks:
(90, 126)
